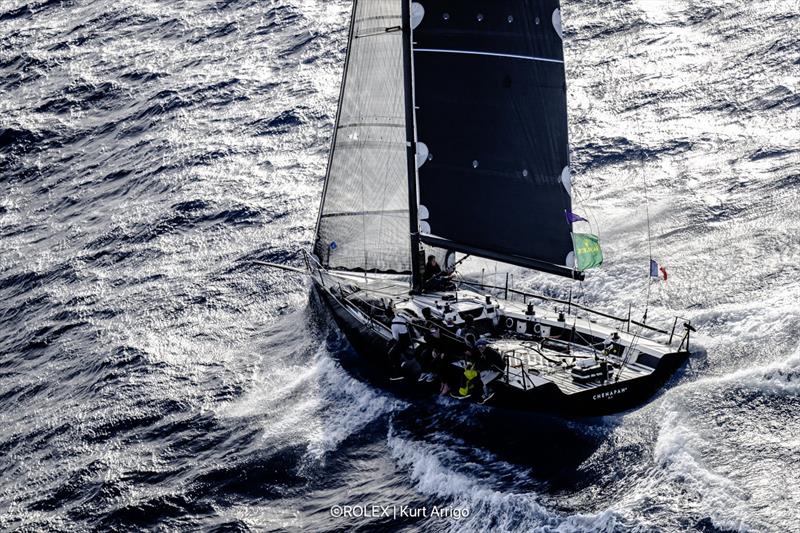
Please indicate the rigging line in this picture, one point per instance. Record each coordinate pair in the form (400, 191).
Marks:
(641, 164)
(629, 353)
(590, 212)
(588, 321)
(634, 346)
(642, 174)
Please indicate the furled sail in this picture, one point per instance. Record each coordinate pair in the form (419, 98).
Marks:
(490, 95)
(364, 221)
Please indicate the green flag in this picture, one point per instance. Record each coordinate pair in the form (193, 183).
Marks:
(587, 251)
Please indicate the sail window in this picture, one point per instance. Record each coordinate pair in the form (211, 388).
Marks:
(423, 215)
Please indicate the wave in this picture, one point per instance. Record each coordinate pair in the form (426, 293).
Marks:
(490, 509)
(316, 402)
(780, 377)
(603, 152)
(692, 454)
(29, 9)
(682, 466)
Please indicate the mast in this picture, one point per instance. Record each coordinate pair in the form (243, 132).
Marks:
(411, 149)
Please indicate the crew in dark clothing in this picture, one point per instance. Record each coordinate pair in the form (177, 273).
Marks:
(429, 330)
(439, 368)
(468, 332)
(432, 268)
(433, 335)
(410, 366)
(427, 314)
(401, 338)
(436, 279)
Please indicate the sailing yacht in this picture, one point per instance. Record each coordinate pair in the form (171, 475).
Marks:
(451, 138)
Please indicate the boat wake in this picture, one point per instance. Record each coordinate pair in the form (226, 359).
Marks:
(480, 486)
(309, 397)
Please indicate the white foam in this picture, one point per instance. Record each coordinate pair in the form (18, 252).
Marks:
(351, 406)
(318, 403)
(490, 509)
(692, 471)
(776, 377)
(679, 454)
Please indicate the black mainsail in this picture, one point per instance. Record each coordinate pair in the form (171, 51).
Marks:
(491, 168)
(492, 113)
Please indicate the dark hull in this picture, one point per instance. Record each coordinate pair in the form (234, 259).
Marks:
(369, 358)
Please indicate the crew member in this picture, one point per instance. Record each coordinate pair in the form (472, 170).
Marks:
(401, 341)
(467, 331)
(431, 273)
(487, 356)
(432, 268)
(470, 382)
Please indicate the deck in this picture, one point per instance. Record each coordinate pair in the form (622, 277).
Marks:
(547, 369)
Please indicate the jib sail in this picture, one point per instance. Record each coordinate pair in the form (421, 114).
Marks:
(364, 217)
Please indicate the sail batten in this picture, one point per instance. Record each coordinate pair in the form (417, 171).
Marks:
(490, 54)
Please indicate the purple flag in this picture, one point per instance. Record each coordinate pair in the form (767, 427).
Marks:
(572, 217)
(653, 269)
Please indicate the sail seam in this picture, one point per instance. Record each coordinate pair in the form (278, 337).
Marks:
(493, 54)
(371, 125)
(372, 212)
(378, 31)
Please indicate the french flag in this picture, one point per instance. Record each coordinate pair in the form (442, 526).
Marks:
(655, 269)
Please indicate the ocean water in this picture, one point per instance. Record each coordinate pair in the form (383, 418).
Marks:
(152, 377)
